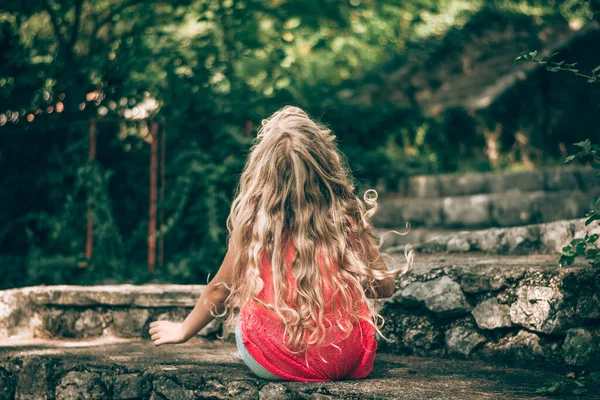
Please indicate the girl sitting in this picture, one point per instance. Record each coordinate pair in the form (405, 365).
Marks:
(301, 261)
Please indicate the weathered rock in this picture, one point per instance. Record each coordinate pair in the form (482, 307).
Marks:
(81, 385)
(89, 323)
(520, 349)
(486, 278)
(463, 184)
(130, 386)
(190, 364)
(555, 235)
(394, 212)
(572, 205)
(118, 295)
(441, 296)
(581, 229)
(212, 389)
(274, 391)
(562, 178)
(168, 388)
(463, 340)
(534, 309)
(489, 314)
(513, 208)
(458, 244)
(588, 178)
(521, 240)
(244, 390)
(487, 240)
(33, 382)
(129, 323)
(468, 211)
(423, 186)
(588, 307)
(15, 313)
(530, 315)
(434, 245)
(406, 333)
(525, 181)
(7, 388)
(579, 347)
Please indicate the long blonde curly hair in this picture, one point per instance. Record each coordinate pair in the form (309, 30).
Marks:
(296, 186)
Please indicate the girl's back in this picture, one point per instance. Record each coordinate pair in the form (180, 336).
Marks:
(345, 353)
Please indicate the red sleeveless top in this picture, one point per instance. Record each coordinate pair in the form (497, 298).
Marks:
(341, 356)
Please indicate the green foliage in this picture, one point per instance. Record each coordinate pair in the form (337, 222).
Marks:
(205, 70)
(555, 66)
(571, 385)
(585, 247)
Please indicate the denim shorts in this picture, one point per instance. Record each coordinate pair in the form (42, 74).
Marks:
(254, 366)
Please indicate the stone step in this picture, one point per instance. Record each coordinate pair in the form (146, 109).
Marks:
(413, 236)
(544, 179)
(517, 310)
(512, 208)
(91, 311)
(548, 238)
(520, 310)
(199, 369)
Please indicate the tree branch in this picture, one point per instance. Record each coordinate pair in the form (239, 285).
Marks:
(76, 25)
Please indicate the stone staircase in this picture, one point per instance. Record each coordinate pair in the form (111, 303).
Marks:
(483, 200)
(483, 314)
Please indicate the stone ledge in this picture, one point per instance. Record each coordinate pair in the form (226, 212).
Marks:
(88, 311)
(548, 238)
(98, 370)
(483, 210)
(546, 179)
(523, 311)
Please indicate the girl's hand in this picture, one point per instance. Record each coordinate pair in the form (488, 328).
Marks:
(166, 332)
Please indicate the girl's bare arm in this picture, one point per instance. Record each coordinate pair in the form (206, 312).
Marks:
(211, 301)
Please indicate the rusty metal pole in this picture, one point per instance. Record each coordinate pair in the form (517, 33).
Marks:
(161, 199)
(89, 242)
(152, 208)
(249, 127)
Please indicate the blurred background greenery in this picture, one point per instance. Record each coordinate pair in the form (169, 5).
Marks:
(409, 87)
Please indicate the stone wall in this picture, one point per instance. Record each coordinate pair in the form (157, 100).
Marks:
(547, 238)
(514, 310)
(498, 199)
(91, 311)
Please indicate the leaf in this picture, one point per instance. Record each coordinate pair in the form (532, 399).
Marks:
(596, 69)
(533, 54)
(595, 376)
(594, 217)
(569, 159)
(518, 59)
(579, 391)
(586, 144)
